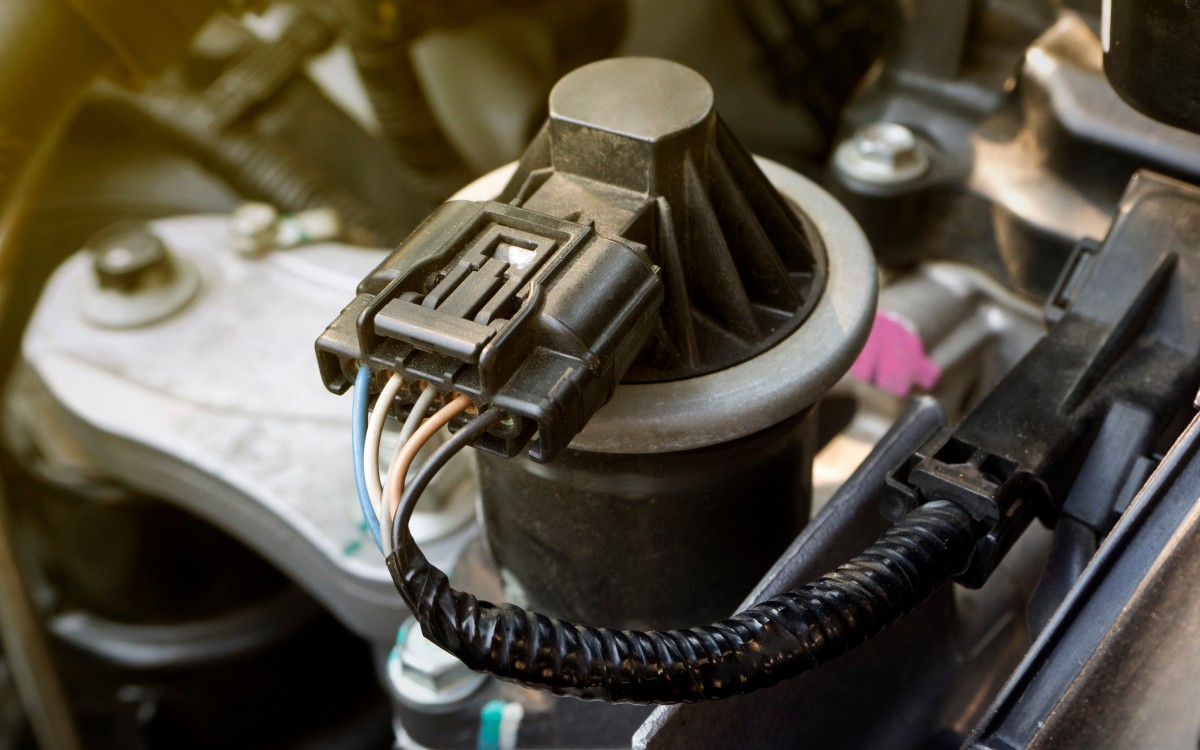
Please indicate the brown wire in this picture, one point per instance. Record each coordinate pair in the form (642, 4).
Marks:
(399, 468)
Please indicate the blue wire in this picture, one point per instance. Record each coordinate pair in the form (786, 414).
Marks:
(362, 393)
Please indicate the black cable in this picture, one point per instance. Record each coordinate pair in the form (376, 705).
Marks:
(763, 645)
(446, 451)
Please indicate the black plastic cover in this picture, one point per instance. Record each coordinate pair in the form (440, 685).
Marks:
(521, 311)
(1099, 391)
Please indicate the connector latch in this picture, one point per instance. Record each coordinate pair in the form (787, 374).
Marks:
(524, 312)
(1066, 428)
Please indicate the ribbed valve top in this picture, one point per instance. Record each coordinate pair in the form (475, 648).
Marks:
(635, 147)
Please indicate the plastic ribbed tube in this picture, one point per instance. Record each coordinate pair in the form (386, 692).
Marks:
(761, 646)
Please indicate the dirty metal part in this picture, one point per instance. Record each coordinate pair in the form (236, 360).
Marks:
(747, 397)
(1031, 146)
(741, 268)
(553, 528)
(882, 153)
(825, 706)
(746, 279)
(234, 436)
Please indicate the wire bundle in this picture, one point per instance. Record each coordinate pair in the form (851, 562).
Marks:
(759, 647)
(379, 507)
(769, 642)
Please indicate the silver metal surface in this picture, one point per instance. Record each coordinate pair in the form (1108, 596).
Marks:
(744, 399)
(220, 410)
(252, 227)
(135, 279)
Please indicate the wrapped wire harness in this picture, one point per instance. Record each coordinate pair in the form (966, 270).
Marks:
(763, 645)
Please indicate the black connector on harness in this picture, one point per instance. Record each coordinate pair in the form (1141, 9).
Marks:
(523, 312)
(1066, 428)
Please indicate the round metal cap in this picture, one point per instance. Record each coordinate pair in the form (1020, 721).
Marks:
(130, 258)
(638, 97)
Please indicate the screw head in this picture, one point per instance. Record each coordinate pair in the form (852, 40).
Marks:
(252, 227)
(135, 279)
(882, 153)
(130, 260)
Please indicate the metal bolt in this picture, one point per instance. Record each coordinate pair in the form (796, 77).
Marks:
(131, 259)
(135, 279)
(252, 228)
(421, 672)
(507, 426)
(882, 153)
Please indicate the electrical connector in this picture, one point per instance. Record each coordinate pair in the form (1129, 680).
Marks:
(523, 312)
(1065, 428)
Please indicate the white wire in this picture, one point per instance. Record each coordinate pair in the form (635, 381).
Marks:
(375, 424)
(419, 410)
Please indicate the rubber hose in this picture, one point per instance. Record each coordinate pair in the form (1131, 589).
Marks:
(763, 645)
(818, 52)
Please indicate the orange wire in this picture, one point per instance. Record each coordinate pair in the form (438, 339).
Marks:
(399, 468)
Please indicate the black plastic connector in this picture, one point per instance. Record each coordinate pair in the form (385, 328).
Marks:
(1064, 430)
(524, 312)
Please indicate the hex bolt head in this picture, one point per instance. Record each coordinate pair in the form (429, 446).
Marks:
(131, 260)
(252, 228)
(421, 672)
(135, 279)
(882, 153)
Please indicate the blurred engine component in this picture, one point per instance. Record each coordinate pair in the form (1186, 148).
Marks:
(817, 51)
